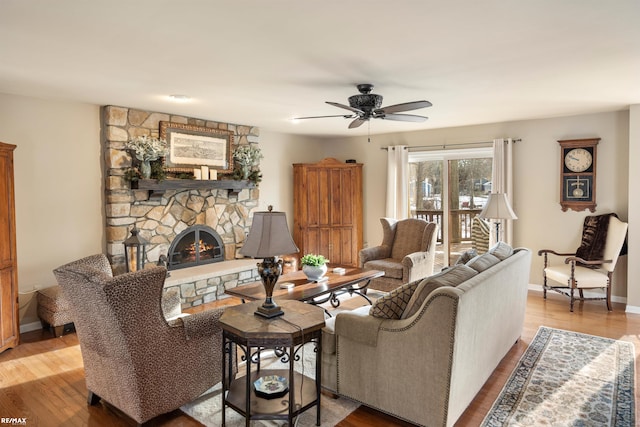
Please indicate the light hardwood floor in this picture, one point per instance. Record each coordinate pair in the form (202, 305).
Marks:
(42, 379)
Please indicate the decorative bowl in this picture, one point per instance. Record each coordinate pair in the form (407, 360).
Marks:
(271, 386)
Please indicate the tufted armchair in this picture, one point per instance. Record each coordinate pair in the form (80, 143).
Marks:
(133, 357)
(407, 253)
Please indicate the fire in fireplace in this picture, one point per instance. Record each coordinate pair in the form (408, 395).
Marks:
(196, 245)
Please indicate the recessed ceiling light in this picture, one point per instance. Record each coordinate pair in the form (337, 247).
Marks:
(180, 98)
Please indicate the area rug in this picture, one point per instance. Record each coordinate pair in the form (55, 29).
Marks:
(568, 379)
(207, 408)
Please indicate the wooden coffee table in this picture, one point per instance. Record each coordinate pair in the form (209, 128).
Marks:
(353, 281)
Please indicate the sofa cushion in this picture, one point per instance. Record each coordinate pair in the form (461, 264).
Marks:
(482, 262)
(393, 304)
(501, 250)
(450, 277)
(392, 268)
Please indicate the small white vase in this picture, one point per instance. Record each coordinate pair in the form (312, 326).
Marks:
(314, 273)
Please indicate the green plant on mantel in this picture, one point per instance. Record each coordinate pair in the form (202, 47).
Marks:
(313, 260)
(157, 172)
(247, 161)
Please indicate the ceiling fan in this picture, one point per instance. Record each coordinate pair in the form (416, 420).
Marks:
(367, 106)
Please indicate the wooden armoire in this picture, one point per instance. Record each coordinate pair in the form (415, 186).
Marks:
(9, 327)
(327, 207)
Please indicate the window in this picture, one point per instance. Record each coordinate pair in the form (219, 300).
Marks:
(449, 187)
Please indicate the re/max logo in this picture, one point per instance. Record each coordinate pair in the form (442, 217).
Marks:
(14, 421)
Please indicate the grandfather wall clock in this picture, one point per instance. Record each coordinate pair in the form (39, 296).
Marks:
(578, 174)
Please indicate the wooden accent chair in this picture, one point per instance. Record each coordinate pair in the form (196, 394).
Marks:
(592, 265)
(133, 357)
(407, 253)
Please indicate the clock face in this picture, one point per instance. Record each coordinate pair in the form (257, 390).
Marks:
(578, 160)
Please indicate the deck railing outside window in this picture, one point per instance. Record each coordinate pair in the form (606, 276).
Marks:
(460, 222)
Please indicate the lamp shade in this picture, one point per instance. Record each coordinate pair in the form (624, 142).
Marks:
(269, 236)
(497, 207)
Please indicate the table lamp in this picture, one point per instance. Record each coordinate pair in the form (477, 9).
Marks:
(497, 207)
(268, 238)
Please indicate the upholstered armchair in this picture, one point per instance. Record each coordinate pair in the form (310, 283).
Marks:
(593, 263)
(407, 253)
(134, 358)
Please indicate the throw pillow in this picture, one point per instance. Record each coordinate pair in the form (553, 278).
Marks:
(482, 262)
(466, 256)
(451, 277)
(392, 305)
(501, 250)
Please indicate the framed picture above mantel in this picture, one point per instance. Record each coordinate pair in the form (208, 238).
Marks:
(197, 146)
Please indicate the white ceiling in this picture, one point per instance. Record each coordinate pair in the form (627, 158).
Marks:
(260, 63)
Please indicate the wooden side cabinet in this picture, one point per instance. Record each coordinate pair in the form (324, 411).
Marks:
(9, 326)
(327, 207)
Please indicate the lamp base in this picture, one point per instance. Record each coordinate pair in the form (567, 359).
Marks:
(269, 312)
(269, 270)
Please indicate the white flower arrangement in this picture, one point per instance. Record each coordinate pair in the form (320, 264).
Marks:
(147, 148)
(247, 155)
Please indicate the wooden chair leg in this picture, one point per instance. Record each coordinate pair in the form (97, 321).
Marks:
(572, 300)
(609, 298)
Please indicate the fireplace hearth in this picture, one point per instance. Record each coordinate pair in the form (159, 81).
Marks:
(197, 245)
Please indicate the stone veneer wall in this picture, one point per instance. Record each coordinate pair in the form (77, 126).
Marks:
(160, 220)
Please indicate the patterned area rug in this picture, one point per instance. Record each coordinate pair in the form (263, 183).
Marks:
(568, 379)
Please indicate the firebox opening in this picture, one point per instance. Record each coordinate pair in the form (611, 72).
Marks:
(196, 245)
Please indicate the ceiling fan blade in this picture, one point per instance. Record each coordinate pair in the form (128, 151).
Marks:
(403, 117)
(346, 107)
(407, 106)
(356, 123)
(346, 116)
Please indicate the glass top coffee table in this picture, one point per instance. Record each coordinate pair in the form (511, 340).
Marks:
(353, 281)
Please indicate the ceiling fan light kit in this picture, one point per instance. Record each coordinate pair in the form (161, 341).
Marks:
(367, 105)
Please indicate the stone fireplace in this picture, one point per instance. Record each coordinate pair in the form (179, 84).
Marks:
(162, 218)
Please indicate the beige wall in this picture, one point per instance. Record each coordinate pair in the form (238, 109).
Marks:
(541, 223)
(58, 183)
(281, 151)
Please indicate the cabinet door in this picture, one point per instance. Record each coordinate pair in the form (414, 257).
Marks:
(6, 212)
(328, 211)
(8, 283)
(8, 320)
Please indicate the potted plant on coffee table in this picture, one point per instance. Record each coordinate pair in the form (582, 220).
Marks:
(314, 266)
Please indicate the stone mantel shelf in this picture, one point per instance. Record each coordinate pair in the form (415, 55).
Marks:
(157, 188)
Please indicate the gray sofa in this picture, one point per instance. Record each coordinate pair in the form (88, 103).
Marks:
(423, 352)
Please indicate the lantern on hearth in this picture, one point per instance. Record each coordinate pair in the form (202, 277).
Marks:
(135, 251)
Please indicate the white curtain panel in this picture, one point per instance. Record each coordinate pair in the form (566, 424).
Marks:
(397, 182)
(502, 181)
